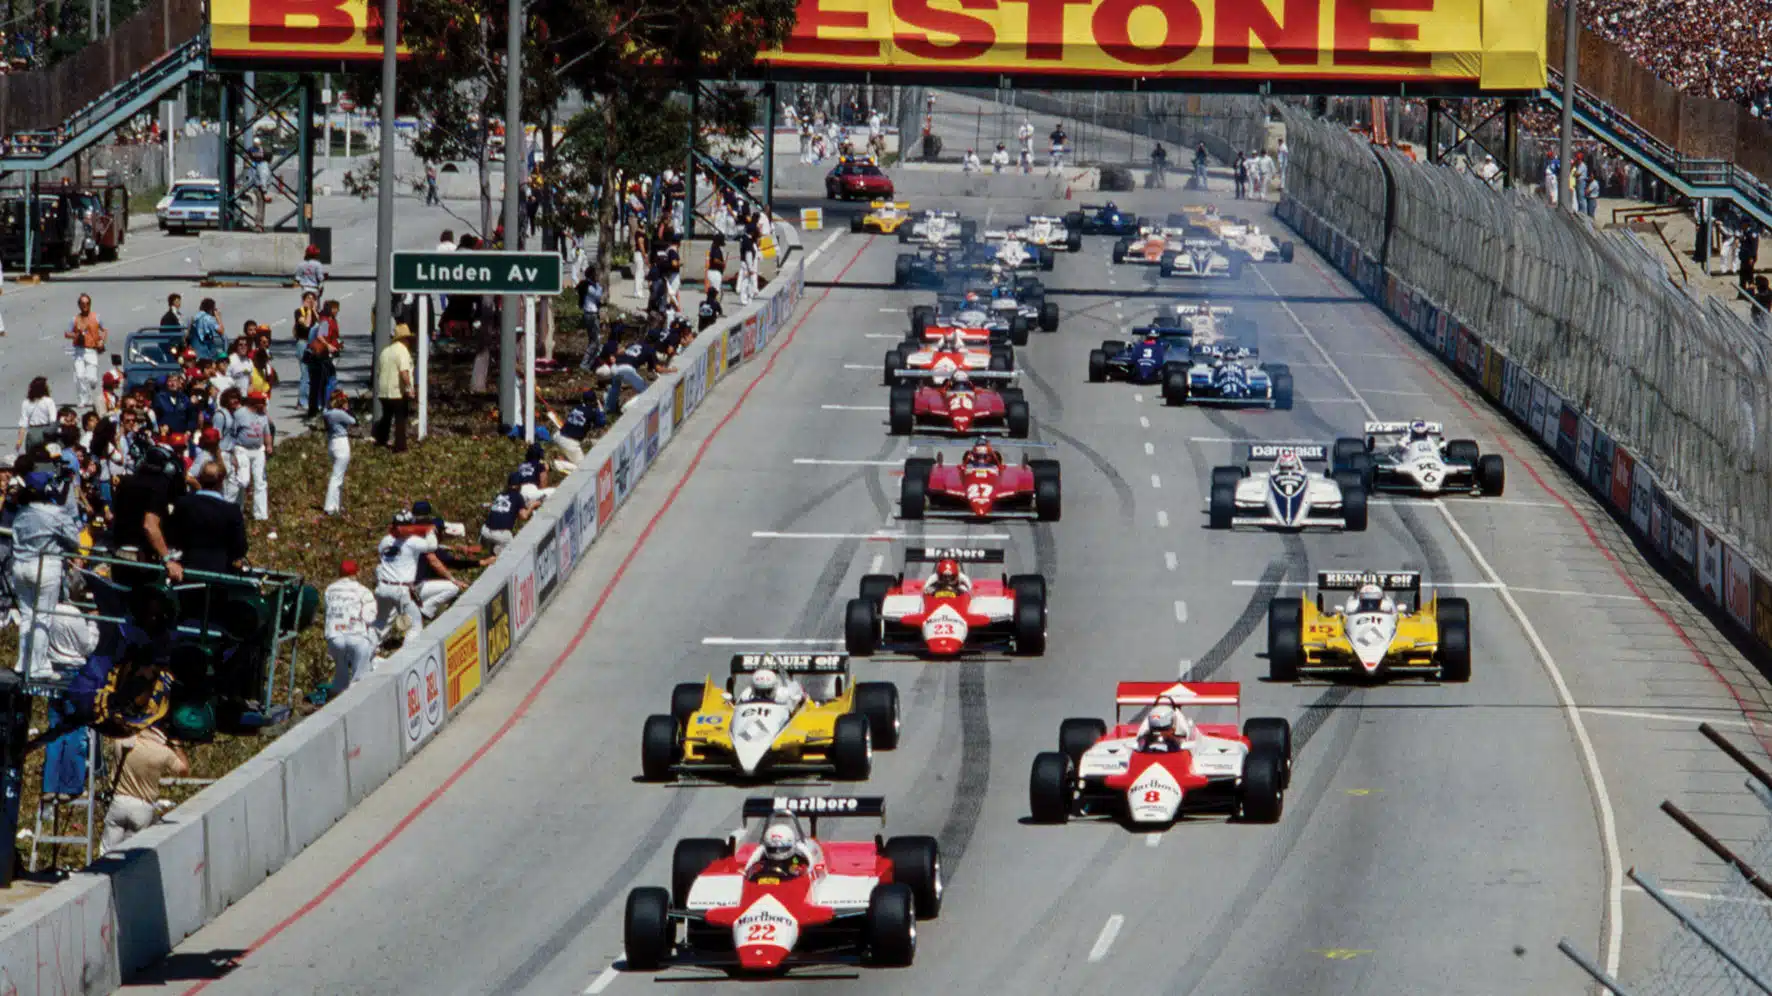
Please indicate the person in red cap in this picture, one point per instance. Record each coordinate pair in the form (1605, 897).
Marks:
(254, 438)
(351, 638)
(310, 273)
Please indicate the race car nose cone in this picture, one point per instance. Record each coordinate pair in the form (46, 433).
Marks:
(981, 506)
(761, 957)
(945, 645)
(962, 421)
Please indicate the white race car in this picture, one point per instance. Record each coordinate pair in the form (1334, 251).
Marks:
(1014, 253)
(939, 228)
(1050, 233)
(1287, 495)
(1201, 258)
(1150, 246)
(1416, 458)
(1214, 324)
(1247, 237)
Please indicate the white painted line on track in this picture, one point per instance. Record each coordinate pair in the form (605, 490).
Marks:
(1570, 594)
(1395, 394)
(1144, 422)
(1186, 668)
(739, 641)
(1180, 611)
(1139, 398)
(1105, 939)
(1694, 720)
(1308, 401)
(1169, 560)
(1405, 500)
(1156, 482)
(1152, 839)
(1227, 439)
(1246, 583)
(931, 537)
(853, 408)
(875, 564)
(891, 311)
(604, 979)
(1150, 449)
(822, 246)
(812, 462)
(1590, 758)
(1705, 897)
(881, 335)
(861, 366)
(1162, 519)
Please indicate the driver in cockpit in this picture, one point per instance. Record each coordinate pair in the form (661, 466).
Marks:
(1370, 598)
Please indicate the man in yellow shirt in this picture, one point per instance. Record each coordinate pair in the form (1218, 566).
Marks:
(394, 388)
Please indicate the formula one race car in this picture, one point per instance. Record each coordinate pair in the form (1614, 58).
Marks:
(1101, 219)
(1013, 253)
(1212, 324)
(1240, 234)
(958, 406)
(1158, 351)
(1226, 374)
(857, 176)
(1201, 258)
(981, 485)
(955, 351)
(884, 217)
(1286, 496)
(947, 613)
(1157, 762)
(928, 269)
(773, 896)
(1372, 633)
(939, 228)
(998, 312)
(813, 718)
(1149, 245)
(1416, 458)
(1049, 233)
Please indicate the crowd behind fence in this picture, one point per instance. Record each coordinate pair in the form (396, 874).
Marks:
(1684, 381)
(1226, 123)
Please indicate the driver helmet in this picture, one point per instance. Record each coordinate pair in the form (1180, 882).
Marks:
(1162, 719)
(778, 842)
(1288, 463)
(980, 453)
(1417, 431)
(961, 381)
(971, 297)
(764, 683)
(948, 572)
(1370, 598)
(996, 270)
(1111, 208)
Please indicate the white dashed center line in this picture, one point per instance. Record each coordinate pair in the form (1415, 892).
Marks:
(1105, 939)
(1180, 611)
(1162, 520)
(1169, 560)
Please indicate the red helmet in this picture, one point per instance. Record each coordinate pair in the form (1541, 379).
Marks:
(981, 451)
(948, 570)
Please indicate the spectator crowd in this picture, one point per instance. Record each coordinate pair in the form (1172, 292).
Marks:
(1711, 48)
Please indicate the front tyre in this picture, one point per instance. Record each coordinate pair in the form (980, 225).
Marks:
(916, 864)
(1050, 788)
(852, 748)
(646, 929)
(878, 701)
(892, 925)
(1285, 638)
(861, 628)
(661, 747)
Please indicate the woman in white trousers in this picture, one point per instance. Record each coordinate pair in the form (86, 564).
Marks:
(339, 422)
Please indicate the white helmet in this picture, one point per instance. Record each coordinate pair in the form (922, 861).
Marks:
(778, 842)
(765, 682)
(1288, 460)
(1371, 598)
(1417, 429)
(961, 381)
(1161, 719)
(996, 269)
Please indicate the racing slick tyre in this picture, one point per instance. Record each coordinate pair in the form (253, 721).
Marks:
(901, 272)
(913, 488)
(1166, 265)
(1018, 330)
(646, 928)
(968, 230)
(1453, 618)
(852, 748)
(1269, 733)
(1047, 258)
(691, 857)
(1121, 247)
(1073, 222)
(904, 234)
(892, 925)
(901, 411)
(1463, 451)
(916, 862)
(1353, 501)
(861, 627)
(1050, 788)
(661, 747)
(1285, 636)
(1049, 316)
(1029, 631)
(1228, 476)
(1282, 391)
(1073, 240)
(1286, 251)
(1221, 502)
(1002, 359)
(1048, 491)
(893, 364)
(1097, 366)
(1263, 787)
(1028, 586)
(1174, 387)
(1075, 736)
(878, 701)
(1491, 475)
(875, 588)
(1113, 347)
(1347, 448)
(1009, 394)
(685, 702)
(855, 224)
(921, 316)
(1019, 420)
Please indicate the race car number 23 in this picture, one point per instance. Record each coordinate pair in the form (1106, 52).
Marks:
(942, 627)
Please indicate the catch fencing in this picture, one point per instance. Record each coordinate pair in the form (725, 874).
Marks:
(1738, 916)
(1100, 122)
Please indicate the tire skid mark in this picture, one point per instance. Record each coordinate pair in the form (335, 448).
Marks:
(963, 815)
(1122, 490)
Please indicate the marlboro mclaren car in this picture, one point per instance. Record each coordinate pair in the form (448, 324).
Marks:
(947, 613)
(1287, 496)
(1382, 629)
(980, 485)
(831, 726)
(773, 895)
(954, 351)
(1416, 458)
(1149, 245)
(1157, 762)
(957, 405)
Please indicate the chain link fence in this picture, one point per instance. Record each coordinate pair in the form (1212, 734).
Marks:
(1739, 917)
(1119, 128)
(1683, 380)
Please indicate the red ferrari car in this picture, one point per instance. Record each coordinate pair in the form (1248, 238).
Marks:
(1158, 761)
(857, 177)
(946, 612)
(772, 896)
(982, 485)
(954, 405)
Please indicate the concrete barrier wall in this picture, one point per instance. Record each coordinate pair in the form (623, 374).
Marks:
(911, 180)
(263, 254)
(135, 905)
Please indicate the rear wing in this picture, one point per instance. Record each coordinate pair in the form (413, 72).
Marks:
(1201, 243)
(974, 375)
(791, 663)
(1355, 580)
(900, 205)
(1211, 309)
(1396, 428)
(1052, 218)
(1181, 693)
(1267, 452)
(1228, 351)
(816, 806)
(1163, 331)
(970, 555)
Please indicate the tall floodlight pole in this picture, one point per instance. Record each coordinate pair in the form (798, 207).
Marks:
(383, 326)
(509, 413)
(1566, 142)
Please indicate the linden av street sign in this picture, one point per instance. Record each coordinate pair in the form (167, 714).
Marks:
(477, 273)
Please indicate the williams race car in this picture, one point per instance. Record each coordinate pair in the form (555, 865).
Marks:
(939, 228)
(773, 896)
(1102, 219)
(1416, 458)
(1157, 762)
(1049, 233)
(1226, 374)
(776, 714)
(947, 613)
(980, 485)
(1286, 496)
(956, 350)
(1201, 258)
(1382, 629)
(1000, 310)
(955, 404)
(1158, 350)
(884, 217)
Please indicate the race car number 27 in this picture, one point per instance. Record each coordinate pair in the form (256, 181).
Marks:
(978, 492)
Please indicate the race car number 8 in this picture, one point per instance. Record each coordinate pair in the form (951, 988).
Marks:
(1152, 795)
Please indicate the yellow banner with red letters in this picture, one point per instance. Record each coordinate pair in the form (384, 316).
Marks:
(299, 30)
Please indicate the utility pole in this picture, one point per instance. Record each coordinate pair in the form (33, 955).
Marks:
(383, 326)
(509, 413)
(1566, 142)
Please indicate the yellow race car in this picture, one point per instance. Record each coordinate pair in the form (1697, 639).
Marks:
(1383, 628)
(884, 217)
(777, 714)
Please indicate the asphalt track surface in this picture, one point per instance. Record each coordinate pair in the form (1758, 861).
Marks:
(1436, 838)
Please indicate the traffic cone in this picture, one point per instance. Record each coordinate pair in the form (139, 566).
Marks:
(1067, 191)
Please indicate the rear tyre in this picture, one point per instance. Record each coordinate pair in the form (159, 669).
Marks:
(1074, 239)
(1076, 736)
(1121, 247)
(1028, 586)
(1018, 330)
(1175, 387)
(855, 224)
(852, 748)
(916, 863)
(1263, 788)
(901, 411)
(1112, 347)
(1049, 316)
(1097, 366)
(875, 588)
(1453, 617)
(1002, 360)
(901, 272)
(861, 627)
(913, 488)
(1282, 391)
(1285, 638)
(1048, 490)
(685, 702)
(1166, 265)
(1223, 476)
(1221, 503)
(1050, 788)
(878, 701)
(893, 363)
(1271, 734)
(1353, 502)
(1047, 257)
(661, 747)
(892, 925)
(921, 316)
(1286, 252)
(1030, 626)
(1020, 422)
(1463, 451)
(691, 857)
(1347, 449)
(1491, 475)
(646, 929)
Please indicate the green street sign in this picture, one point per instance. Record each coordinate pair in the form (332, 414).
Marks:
(477, 273)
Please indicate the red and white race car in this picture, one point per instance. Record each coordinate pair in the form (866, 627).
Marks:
(947, 612)
(773, 896)
(1158, 762)
(981, 485)
(956, 404)
(957, 350)
(1149, 246)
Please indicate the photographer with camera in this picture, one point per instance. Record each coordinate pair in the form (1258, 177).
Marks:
(42, 530)
(141, 505)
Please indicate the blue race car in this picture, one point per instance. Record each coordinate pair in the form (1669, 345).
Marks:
(1228, 374)
(1102, 219)
(1158, 351)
